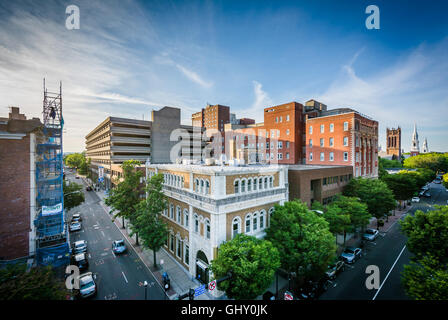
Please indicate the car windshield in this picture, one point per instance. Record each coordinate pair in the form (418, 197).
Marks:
(86, 282)
(79, 244)
(349, 250)
(119, 244)
(370, 231)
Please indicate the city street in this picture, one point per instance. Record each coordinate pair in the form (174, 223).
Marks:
(389, 253)
(118, 277)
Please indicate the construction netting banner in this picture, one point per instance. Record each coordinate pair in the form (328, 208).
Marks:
(50, 210)
(56, 256)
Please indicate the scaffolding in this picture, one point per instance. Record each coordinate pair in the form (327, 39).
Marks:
(52, 240)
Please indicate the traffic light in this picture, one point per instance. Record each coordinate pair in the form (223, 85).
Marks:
(191, 294)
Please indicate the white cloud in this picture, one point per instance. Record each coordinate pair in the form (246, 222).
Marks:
(193, 76)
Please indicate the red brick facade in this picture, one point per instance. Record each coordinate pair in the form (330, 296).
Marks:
(15, 197)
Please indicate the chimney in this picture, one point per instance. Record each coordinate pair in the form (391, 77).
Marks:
(14, 114)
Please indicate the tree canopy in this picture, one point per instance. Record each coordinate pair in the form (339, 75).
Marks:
(74, 160)
(73, 195)
(303, 239)
(434, 161)
(402, 184)
(252, 263)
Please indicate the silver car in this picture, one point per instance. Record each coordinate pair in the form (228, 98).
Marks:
(370, 234)
(87, 285)
(80, 246)
(75, 226)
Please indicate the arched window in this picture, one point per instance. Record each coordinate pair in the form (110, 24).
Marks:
(236, 185)
(262, 216)
(247, 223)
(271, 212)
(182, 182)
(255, 222)
(255, 184)
(249, 185)
(236, 227)
(202, 186)
(243, 185)
(260, 183)
(266, 182)
(196, 185)
(172, 211)
(196, 223)
(178, 214)
(271, 182)
(207, 229)
(186, 218)
(207, 187)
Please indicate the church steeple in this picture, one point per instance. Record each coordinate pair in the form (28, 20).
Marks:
(415, 148)
(425, 146)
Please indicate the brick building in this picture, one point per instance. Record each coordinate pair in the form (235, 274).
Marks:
(18, 137)
(393, 137)
(343, 137)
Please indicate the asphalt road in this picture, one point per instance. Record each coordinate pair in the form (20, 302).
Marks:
(118, 277)
(389, 253)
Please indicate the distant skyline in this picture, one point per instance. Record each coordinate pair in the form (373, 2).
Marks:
(130, 57)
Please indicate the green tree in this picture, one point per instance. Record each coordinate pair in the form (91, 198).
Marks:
(303, 239)
(359, 216)
(148, 222)
(126, 195)
(427, 233)
(73, 195)
(386, 163)
(74, 160)
(338, 221)
(37, 284)
(84, 167)
(445, 180)
(434, 161)
(252, 263)
(403, 184)
(374, 193)
(316, 205)
(426, 279)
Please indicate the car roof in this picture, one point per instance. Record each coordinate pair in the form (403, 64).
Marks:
(80, 256)
(86, 278)
(76, 214)
(119, 241)
(80, 242)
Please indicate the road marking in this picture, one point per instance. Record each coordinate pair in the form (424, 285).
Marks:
(124, 276)
(396, 260)
(103, 233)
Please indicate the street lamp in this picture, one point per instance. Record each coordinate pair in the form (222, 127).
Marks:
(146, 288)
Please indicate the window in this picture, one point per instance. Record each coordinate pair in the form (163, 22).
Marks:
(207, 229)
(331, 127)
(196, 223)
(322, 128)
(311, 129)
(196, 185)
(287, 117)
(272, 156)
(262, 215)
(321, 142)
(345, 156)
(179, 214)
(187, 254)
(236, 186)
(172, 211)
(287, 144)
(322, 156)
(186, 214)
(281, 118)
(311, 143)
(331, 142)
(207, 186)
(260, 183)
(179, 249)
(276, 119)
(249, 185)
(235, 227)
(248, 221)
(331, 156)
(255, 183)
(243, 186)
(271, 182)
(266, 182)
(255, 222)
(345, 141)
(279, 156)
(287, 155)
(267, 145)
(311, 156)
(357, 156)
(172, 242)
(345, 126)
(280, 145)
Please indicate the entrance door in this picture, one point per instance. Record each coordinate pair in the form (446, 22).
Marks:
(202, 273)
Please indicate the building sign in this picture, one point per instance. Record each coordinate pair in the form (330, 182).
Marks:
(100, 172)
(50, 210)
(199, 290)
(212, 285)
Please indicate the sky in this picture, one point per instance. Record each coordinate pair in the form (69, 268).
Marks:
(130, 57)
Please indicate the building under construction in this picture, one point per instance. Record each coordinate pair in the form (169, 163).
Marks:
(52, 239)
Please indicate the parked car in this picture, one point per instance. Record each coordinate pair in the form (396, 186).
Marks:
(88, 188)
(370, 234)
(351, 254)
(427, 194)
(76, 217)
(75, 226)
(415, 199)
(334, 269)
(81, 261)
(80, 246)
(313, 289)
(77, 177)
(87, 285)
(118, 246)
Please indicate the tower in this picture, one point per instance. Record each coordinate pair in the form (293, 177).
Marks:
(415, 148)
(425, 148)
(393, 137)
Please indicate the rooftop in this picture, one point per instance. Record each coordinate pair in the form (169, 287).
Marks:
(213, 169)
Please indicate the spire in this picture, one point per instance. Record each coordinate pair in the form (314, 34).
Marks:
(415, 144)
(425, 146)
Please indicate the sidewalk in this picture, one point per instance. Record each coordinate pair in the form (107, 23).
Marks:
(181, 280)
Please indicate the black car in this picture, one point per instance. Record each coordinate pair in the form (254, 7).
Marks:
(313, 289)
(80, 260)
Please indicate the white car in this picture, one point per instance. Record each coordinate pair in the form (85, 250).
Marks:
(370, 234)
(87, 285)
(415, 199)
(75, 226)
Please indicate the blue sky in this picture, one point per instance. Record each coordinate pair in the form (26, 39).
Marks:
(130, 57)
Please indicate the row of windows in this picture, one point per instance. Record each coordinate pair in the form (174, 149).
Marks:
(331, 156)
(202, 186)
(173, 180)
(280, 119)
(175, 244)
(253, 222)
(331, 127)
(175, 214)
(252, 184)
(330, 142)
